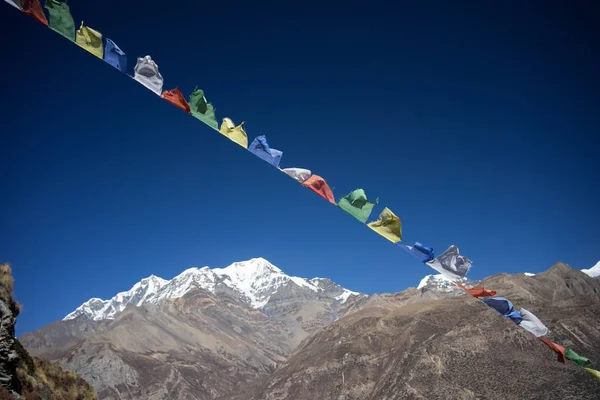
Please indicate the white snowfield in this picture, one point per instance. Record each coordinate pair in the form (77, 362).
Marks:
(594, 272)
(254, 280)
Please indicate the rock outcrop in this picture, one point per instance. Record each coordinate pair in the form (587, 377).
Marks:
(22, 376)
(9, 309)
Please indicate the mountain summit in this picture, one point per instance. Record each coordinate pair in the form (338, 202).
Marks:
(253, 282)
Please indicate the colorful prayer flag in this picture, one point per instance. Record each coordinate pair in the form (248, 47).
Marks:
(478, 291)
(260, 148)
(593, 372)
(577, 359)
(504, 307)
(33, 8)
(320, 187)
(419, 251)
(146, 73)
(61, 20)
(357, 205)
(532, 323)
(90, 40)
(176, 98)
(481, 292)
(299, 174)
(451, 264)
(203, 110)
(388, 225)
(560, 350)
(236, 134)
(114, 56)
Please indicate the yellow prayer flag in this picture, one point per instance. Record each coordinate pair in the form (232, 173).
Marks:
(234, 133)
(388, 225)
(593, 372)
(90, 40)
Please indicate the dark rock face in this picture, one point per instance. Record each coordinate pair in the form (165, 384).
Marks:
(8, 356)
(22, 375)
(9, 359)
(424, 343)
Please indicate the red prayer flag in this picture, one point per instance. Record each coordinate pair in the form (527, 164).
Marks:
(33, 8)
(560, 350)
(176, 98)
(320, 187)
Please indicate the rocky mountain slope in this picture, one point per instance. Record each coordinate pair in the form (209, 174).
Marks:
(206, 331)
(301, 304)
(250, 331)
(455, 348)
(22, 376)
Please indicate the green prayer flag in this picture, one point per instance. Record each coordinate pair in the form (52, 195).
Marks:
(357, 205)
(577, 359)
(61, 19)
(203, 110)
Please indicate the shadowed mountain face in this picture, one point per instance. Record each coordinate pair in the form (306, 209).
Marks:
(428, 343)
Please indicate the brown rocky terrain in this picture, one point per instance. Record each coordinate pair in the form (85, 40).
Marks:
(423, 343)
(24, 377)
(455, 348)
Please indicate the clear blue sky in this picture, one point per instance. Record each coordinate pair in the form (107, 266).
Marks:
(477, 125)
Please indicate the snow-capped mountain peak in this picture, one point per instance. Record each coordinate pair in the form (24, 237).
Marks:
(258, 279)
(594, 272)
(438, 280)
(442, 283)
(254, 281)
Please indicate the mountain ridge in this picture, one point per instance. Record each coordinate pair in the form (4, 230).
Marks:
(242, 280)
(253, 281)
(214, 343)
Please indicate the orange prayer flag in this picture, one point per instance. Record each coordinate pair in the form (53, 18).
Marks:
(481, 292)
(320, 187)
(477, 291)
(176, 98)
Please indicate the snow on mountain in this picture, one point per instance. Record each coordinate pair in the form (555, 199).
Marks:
(145, 291)
(433, 279)
(594, 272)
(326, 285)
(257, 279)
(528, 274)
(254, 281)
(438, 281)
(346, 295)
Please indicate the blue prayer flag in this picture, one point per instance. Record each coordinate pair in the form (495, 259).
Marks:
(260, 148)
(115, 56)
(419, 251)
(504, 307)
